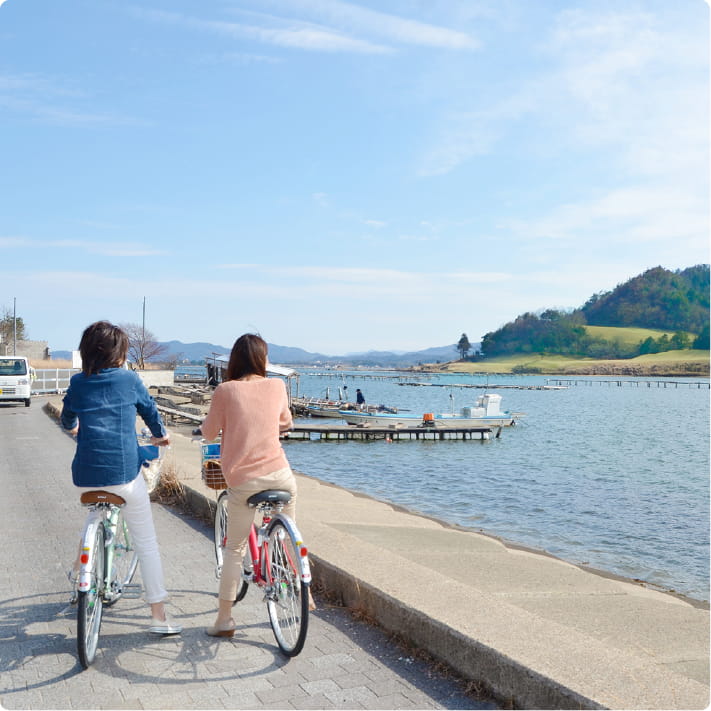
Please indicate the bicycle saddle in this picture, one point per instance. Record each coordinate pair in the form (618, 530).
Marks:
(102, 497)
(270, 496)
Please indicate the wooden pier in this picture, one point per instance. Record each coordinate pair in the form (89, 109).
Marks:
(486, 386)
(317, 432)
(619, 382)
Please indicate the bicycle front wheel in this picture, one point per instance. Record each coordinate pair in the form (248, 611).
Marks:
(221, 541)
(287, 595)
(90, 604)
(124, 561)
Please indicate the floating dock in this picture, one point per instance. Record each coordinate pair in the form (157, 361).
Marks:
(318, 432)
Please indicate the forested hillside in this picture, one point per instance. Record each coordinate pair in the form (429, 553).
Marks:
(676, 303)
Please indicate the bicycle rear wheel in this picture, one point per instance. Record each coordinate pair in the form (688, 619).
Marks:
(124, 561)
(221, 541)
(287, 595)
(90, 604)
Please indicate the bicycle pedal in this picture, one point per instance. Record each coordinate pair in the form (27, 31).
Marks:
(132, 592)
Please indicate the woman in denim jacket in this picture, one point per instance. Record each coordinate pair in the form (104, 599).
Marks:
(100, 408)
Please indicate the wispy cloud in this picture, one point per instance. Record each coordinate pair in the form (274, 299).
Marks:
(357, 19)
(291, 34)
(107, 249)
(324, 26)
(353, 276)
(614, 80)
(47, 100)
(626, 216)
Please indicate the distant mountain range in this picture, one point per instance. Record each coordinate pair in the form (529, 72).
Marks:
(287, 355)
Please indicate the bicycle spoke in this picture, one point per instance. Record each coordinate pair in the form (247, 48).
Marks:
(287, 595)
(123, 560)
(90, 604)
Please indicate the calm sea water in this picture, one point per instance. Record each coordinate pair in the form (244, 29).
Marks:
(612, 477)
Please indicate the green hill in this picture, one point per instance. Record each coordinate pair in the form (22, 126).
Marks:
(658, 298)
(655, 312)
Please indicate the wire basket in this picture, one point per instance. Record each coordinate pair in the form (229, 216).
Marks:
(212, 467)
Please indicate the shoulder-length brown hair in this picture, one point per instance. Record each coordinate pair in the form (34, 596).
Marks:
(102, 345)
(248, 357)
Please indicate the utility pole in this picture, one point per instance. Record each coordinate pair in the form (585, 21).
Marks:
(143, 333)
(14, 326)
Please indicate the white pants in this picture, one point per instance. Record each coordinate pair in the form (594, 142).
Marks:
(138, 516)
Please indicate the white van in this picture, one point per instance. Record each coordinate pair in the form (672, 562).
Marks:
(15, 379)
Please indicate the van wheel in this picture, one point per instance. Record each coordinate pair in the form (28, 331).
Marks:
(27, 402)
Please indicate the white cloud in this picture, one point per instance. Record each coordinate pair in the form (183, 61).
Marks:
(46, 99)
(625, 216)
(292, 34)
(618, 81)
(356, 18)
(107, 249)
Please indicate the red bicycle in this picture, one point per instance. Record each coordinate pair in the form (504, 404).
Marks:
(277, 562)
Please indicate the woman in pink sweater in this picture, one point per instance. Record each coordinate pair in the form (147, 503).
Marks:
(251, 410)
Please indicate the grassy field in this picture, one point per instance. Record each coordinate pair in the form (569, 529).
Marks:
(670, 363)
(628, 336)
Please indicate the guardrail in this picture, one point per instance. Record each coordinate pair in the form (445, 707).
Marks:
(54, 380)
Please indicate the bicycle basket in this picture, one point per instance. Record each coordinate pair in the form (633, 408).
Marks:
(212, 467)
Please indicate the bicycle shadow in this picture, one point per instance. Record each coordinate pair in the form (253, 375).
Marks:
(38, 639)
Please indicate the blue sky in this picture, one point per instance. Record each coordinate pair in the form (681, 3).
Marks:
(344, 176)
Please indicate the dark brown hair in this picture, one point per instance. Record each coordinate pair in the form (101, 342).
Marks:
(248, 357)
(102, 345)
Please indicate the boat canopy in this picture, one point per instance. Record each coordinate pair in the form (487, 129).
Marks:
(218, 365)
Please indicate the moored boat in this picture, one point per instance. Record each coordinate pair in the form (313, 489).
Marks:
(486, 413)
(335, 409)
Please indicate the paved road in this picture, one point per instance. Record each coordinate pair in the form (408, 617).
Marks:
(345, 664)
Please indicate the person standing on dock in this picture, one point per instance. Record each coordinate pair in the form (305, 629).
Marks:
(360, 399)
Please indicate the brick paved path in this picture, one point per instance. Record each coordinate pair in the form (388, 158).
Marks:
(345, 664)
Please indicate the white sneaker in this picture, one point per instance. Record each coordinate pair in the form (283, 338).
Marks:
(165, 627)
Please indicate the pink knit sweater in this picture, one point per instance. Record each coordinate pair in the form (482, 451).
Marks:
(250, 413)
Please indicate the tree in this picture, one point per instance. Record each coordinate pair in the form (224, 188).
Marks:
(142, 345)
(464, 346)
(9, 326)
(702, 340)
(680, 341)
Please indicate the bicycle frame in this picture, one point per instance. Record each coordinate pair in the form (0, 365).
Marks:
(259, 551)
(99, 514)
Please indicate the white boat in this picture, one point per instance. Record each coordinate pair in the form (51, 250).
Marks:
(337, 409)
(486, 413)
(325, 409)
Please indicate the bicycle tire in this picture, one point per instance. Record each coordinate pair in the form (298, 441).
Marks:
(287, 595)
(220, 542)
(90, 604)
(123, 563)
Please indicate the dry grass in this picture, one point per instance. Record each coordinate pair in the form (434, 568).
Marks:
(170, 490)
(50, 364)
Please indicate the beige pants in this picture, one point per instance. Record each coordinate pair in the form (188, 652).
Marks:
(240, 518)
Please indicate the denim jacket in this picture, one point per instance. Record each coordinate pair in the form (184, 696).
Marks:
(105, 405)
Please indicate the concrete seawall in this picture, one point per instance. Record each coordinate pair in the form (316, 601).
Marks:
(536, 631)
